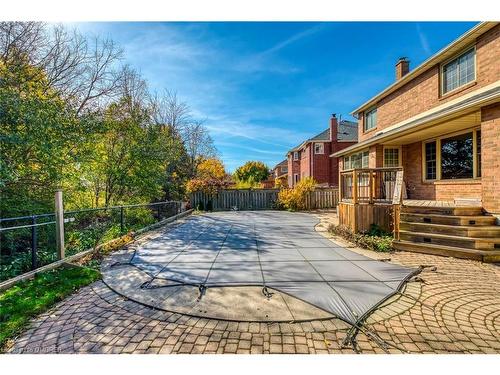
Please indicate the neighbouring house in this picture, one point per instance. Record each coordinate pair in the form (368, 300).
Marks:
(440, 125)
(280, 173)
(311, 157)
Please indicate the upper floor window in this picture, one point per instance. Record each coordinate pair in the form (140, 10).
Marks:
(459, 71)
(370, 119)
(295, 155)
(319, 148)
(284, 169)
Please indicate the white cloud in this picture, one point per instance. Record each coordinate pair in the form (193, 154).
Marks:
(424, 43)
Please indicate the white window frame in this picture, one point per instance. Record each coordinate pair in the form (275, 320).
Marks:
(295, 155)
(399, 156)
(438, 156)
(321, 150)
(296, 178)
(451, 60)
(367, 113)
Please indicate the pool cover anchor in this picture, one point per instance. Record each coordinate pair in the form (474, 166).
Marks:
(202, 289)
(267, 293)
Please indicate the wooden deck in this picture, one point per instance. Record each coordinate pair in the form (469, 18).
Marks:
(434, 203)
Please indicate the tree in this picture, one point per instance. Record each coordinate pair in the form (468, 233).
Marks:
(41, 136)
(252, 172)
(210, 177)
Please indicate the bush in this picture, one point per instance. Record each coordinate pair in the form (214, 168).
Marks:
(295, 199)
(376, 239)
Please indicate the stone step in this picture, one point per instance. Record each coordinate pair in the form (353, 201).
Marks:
(485, 231)
(487, 256)
(450, 240)
(456, 211)
(448, 219)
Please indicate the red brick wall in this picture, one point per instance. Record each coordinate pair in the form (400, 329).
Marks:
(422, 93)
(293, 167)
(490, 157)
(305, 160)
(336, 163)
(438, 190)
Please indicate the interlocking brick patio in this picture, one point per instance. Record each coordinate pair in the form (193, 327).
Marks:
(452, 309)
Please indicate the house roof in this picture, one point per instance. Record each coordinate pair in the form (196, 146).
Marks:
(463, 41)
(454, 108)
(348, 131)
(281, 163)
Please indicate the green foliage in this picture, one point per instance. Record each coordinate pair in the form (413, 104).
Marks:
(210, 177)
(295, 199)
(250, 184)
(29, 298)
(252, 172)
(376, 239)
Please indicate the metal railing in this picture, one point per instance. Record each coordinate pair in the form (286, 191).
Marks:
(29, 242)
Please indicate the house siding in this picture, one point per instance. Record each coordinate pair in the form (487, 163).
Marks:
(423, 93)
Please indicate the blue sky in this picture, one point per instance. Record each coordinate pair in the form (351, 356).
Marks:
(263, 88)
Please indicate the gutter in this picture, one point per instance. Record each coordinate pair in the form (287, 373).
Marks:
(438, 57)
(487, 95)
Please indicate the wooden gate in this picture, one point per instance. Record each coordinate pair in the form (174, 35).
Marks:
(241, 199)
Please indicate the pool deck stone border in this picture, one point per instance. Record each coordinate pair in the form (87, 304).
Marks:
(458, 311)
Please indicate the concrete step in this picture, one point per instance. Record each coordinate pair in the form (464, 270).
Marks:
(487, 256)
(485, 231)
(448, 219)
(450, 240)
(456, 211)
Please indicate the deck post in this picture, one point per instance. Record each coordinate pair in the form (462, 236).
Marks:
(59, 211)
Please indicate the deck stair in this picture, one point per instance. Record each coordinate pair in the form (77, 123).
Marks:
(457, 231)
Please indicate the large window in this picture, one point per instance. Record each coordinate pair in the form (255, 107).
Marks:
(459, 71)
(358, 160)
(457, 157)
(370, 119)
(319, 148)
(453, 157)
(295, 155)
(392, 156)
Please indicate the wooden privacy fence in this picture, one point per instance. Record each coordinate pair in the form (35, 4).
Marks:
(322, 198)
(258, 199)
(231, 199)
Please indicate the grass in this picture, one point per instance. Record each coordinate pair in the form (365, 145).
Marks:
(27, 299)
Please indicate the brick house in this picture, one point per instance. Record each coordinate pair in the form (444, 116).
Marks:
(311, 158)
(280, 172)
(441, 123)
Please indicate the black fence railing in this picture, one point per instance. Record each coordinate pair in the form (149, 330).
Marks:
(29, 242)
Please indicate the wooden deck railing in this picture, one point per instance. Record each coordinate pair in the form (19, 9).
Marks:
(368, 185)
(372, 186)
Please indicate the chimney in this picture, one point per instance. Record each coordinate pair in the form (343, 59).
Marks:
(333, 128)
(402, 68)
